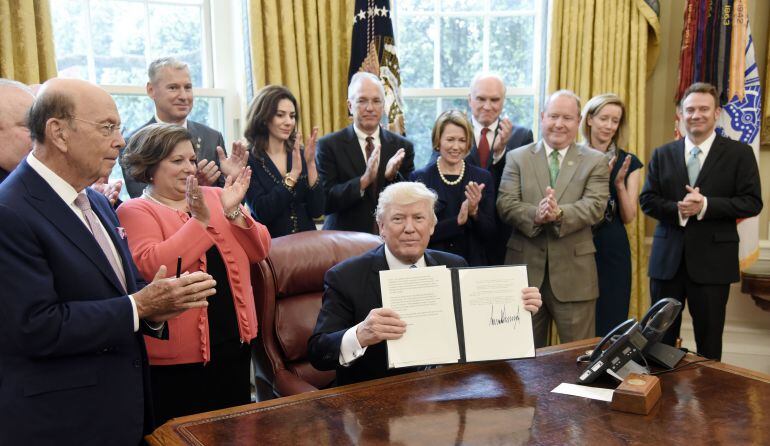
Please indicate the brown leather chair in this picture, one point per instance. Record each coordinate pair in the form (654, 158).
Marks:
(288, 287)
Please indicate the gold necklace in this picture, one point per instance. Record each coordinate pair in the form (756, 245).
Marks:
(443, 178)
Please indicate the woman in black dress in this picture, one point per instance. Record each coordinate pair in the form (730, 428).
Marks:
(604, 120)
(285, 193)
(465, 207)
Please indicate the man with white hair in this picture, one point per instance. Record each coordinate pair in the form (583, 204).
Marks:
(15, 141)
(352, 323)
(356, 163)
(552, 192)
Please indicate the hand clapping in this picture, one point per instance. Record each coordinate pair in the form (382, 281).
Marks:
(196, 203)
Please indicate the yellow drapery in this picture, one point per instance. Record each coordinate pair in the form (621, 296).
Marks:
(26, 41)
(601, 46)
(304, 45)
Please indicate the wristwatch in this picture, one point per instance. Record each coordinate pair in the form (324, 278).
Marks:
(559, 214)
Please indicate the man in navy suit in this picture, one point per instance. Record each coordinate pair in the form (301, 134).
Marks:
(696, 188)
(352, 323)
(357, 162)
(73, 367)
(170, 88)
(494, 137)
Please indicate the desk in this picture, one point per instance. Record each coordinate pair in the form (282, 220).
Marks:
(494, 403)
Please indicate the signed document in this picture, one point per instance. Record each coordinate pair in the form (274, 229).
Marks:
(458, 314)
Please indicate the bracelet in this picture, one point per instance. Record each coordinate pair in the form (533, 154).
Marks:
(234, 214)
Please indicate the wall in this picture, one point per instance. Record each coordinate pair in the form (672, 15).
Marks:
(747, 330)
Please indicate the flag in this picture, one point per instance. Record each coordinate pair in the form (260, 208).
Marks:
(374, 50)
(724, 57)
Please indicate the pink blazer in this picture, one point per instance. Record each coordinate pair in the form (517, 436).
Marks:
(158, 235)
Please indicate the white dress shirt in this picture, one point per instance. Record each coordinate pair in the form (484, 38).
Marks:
(704, 147)
(362, 139)
(350, 348)
(549, 150)
(68, 194)
(477, 128)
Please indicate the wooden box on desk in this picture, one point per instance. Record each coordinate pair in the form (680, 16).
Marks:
(636, 394)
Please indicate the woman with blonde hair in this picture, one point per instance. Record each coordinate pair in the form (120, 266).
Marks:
(603, 125)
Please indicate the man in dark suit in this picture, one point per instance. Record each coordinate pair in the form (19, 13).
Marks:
(14, 134)
(352, 323)
(696, 188)
(171, 90)
(359, 161)
(493, 138)
(73, 367)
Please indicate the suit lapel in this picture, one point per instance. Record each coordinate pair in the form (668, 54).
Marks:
(567, 170)
(379, 263)
(718, 149)
(124, 255)
(680, 165)
(197, 138)
(61, 216)
(353, 151)
(540, 167)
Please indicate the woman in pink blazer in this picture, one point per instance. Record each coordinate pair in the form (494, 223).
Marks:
(204, 364)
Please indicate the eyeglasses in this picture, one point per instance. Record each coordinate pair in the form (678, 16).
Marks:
(104, 129)
(363, 103)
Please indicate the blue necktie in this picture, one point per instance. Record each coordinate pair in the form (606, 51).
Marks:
(693, 165)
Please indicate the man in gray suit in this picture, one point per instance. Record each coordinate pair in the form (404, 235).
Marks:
(170, 87)
(552, 192)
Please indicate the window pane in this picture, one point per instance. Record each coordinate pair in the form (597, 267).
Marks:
(117, 38)
(177, 31)
(512, 5)
(462, 5)
(413, 5)
(71, 47)
(512, 58)
(415, 45)
(457, 103)
(521, 110)
(420, 115)
(461, 57)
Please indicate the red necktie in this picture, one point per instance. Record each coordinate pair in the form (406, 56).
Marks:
(483, 148)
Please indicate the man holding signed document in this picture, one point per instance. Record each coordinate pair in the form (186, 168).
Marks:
(354, 320)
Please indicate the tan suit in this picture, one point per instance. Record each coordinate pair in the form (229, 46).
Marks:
(565, 248)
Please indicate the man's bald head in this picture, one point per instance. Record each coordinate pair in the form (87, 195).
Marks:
(487, 94)
(15, 141)
(76, 129)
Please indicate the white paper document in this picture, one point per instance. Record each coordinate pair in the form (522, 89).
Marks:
(496, 325)
(422, 297)
(595, 393)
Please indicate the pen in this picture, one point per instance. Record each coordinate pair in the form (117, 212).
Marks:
(178, 266)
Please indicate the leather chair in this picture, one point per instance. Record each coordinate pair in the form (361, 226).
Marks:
(288, 287)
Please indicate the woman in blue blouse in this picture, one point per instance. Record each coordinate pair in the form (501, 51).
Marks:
(465, 208)
(285, 194)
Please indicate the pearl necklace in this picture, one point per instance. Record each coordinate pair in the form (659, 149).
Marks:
(443, 178)
(146, 195)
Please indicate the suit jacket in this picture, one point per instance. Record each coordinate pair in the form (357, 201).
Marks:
(341, 163)
(729, 179)
(72, 369)
(352, 289)
(204, 139)
(566, 247)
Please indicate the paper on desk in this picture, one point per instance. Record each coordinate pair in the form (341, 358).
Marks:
(594, 393)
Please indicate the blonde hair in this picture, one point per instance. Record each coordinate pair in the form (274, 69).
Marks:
(457, 118)
(594, 106)
(405, 193)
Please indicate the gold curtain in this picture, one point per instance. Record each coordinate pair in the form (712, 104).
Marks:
(600, 46)
(26, 41)
(304, 45)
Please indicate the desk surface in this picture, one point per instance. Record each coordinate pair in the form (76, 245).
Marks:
(494, 403)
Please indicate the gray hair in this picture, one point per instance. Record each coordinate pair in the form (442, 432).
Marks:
(567, 93)
(164, 62)
(405, 193)
(15, 84)
(359, 77)
(484, 75)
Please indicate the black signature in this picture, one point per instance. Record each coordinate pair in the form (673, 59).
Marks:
(503, 317)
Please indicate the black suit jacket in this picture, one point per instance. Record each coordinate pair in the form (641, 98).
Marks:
(352, 289)
(341, 163)
(204, 139)
(72, 369)
(729, 179)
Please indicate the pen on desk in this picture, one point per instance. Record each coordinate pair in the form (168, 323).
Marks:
(178, 266)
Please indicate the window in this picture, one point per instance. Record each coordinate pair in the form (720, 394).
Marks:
(442, 44)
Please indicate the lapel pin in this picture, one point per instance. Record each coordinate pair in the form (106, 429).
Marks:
(570, 163)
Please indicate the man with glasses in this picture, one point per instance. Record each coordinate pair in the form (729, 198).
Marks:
(359, 161)
(170, 88)
(15, 142)
(552, 192)
(73, 365)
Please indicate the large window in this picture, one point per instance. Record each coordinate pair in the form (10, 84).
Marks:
(442, 44)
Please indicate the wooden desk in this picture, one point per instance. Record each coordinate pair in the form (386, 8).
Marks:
(494, 403)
